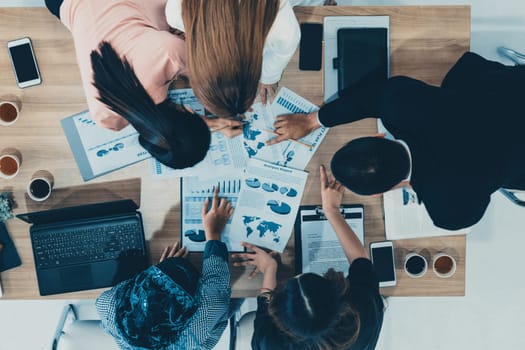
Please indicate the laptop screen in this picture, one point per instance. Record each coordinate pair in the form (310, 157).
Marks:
(79, 212)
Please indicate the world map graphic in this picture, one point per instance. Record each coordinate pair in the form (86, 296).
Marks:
(263, 227)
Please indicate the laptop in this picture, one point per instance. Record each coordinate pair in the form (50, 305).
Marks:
(86, 247)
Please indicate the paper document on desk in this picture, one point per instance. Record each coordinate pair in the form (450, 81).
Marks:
(225, 156)
(267, 206)
(317, 247)
(286, 153)
(406, 218)
(99, 151)
(194, 192)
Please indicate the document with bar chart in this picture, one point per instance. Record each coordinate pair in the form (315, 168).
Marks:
(99, 151)
(260, 130)
(224, 156)
(194, 192)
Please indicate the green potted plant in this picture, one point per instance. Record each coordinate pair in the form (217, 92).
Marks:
(6, 206)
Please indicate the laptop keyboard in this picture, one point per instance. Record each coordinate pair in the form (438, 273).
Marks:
(90, 244)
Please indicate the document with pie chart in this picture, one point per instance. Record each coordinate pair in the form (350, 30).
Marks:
(267, 205)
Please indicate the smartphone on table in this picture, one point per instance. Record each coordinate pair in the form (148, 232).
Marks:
(24, 63)
(382, 255)
(311, 46)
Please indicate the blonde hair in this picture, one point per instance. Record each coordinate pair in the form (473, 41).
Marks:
(224, 48)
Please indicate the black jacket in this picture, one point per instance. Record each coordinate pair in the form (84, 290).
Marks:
(464, 136)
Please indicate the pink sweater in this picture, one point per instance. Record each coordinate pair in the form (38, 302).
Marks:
(137, 30)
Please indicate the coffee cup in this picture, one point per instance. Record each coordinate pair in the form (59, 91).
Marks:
(444, 265)
(40, 187)
(10, 162)
(9, 111)
(415, 265)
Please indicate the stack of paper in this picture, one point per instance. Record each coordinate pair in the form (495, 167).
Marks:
(271, 188)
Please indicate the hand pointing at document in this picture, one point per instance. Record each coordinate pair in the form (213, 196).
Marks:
(294, 126)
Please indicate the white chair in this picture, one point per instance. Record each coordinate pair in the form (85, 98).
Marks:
(517, 57)
(242, 320)
(515, 196)
(81, 330)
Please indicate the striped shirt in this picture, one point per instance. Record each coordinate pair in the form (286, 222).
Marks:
(209, 320)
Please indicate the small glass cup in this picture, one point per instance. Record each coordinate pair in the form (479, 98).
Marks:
(444, 265)
(10, 162)
(9, 110)
(41, 185)
(415, 265)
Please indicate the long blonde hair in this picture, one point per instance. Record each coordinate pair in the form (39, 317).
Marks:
(224, 48)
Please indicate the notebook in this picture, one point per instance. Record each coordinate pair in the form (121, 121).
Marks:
(86, 247)
(9, 257)
(317, 247)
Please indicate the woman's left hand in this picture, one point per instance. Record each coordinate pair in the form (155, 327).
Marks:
(267, 92)
(175, 251)
(228, 127)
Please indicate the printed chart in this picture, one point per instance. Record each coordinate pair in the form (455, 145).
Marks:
(259, 131)
(194, 192)
(267, 206)
(98, 151)
(224, 156)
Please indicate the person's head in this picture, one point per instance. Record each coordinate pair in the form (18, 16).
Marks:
(172, 135)
(371, 165)
(315, 310)
(153, 307)
(224, 49)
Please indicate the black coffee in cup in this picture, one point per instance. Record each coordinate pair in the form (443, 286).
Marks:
(39, 188)
(415, 265)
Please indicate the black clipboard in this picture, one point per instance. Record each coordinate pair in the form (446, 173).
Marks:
(352, 212)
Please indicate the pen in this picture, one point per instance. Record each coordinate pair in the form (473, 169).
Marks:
(293, 140)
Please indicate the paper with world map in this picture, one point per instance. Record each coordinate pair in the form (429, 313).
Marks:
(267, 205)
(259, 131)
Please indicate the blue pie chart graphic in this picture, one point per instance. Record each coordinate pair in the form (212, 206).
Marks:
(292, 193)
(195, 235)
(279, 208)
(253, 183)
(268, 188)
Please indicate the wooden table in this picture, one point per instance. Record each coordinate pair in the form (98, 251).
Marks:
(424, 43)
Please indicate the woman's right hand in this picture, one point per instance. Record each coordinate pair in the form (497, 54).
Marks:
(214, 220)
(331, 192)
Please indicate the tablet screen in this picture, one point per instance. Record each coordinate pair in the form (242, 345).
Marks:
(362, 54)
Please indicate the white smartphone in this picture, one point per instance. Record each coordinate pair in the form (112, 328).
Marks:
(24, 62)
(382, 254)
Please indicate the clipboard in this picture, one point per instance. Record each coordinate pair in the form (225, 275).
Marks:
(317, 247)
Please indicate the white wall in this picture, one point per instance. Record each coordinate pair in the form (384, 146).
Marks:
(490, 316)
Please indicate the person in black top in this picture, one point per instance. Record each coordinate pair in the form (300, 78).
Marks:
(318, 312)
(461, 141)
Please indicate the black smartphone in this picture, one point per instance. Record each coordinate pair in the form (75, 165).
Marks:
(382, 255)
(24, 62)
(311, 46)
